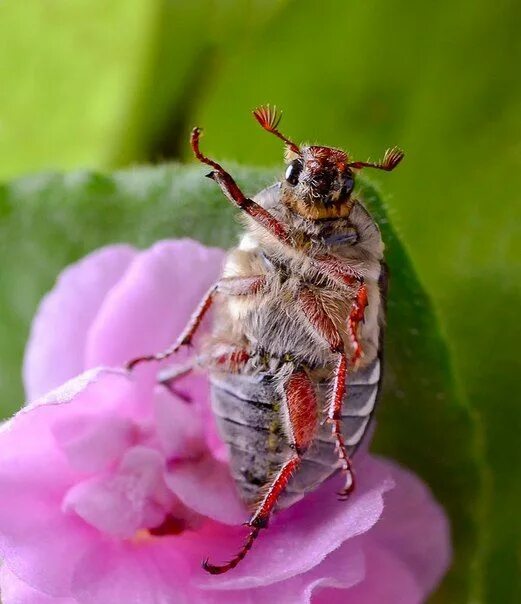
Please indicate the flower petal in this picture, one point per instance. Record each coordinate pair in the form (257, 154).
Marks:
(151, 304)
(47, 552)
(125, 572)
(387, 580)
(342, 569)
(415, 528)
(179, 426)
(300, 537)
(55, 352)
(92, 443)
(39, 543)
(207, 488)
(120, 503)
(15, 591)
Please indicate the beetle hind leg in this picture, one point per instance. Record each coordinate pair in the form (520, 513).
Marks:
(322, 323)
(356, 316)
(214, 569)
(335, 419)
(301, 411)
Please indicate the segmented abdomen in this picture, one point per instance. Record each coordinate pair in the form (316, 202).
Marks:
(247, 410)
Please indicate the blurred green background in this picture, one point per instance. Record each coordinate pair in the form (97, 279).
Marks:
(104, 85)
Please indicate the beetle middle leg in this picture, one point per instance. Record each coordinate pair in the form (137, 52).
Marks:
(232, 286)
(231, 359)
(301, 407)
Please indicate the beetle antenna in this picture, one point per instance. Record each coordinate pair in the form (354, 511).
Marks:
(391, 159)
(269, 118)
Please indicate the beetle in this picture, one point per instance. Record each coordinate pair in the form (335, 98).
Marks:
(297, 330)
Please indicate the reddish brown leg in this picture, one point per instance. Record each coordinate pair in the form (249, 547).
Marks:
(336, 270)
(169, 377)
(335, 418)
(324, 325)
(302, 414)
(326, 263)
(231, 190)
(232, 286)
(356, 316)
(231, 360)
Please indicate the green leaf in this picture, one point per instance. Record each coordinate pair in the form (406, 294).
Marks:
(93, 83)
(101, 84)
(48, 221)
(68, 79)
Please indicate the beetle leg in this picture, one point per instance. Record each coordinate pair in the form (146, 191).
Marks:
(325, 327)
(228, 358)
(322, 323)
(356, 316)
(241, 286)
(327, 264)
(301, 408)
(334, 269)
(233, 286)
(232, 191)
(169, 376)
(335, 418)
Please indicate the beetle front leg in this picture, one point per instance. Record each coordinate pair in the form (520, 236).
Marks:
(234, 286)
(232, 191)
(327, 264)
(301, 407)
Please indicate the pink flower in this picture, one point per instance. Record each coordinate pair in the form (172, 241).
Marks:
(113, 488)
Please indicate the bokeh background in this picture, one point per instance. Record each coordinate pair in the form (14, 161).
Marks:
(99, 86)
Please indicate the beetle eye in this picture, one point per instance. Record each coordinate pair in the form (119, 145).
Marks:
(349, 185)
(293, 171)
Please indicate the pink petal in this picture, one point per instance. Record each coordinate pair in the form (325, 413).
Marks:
(388, 580)
(151, 304)
(38, 543)
(301, 537)
(47, 553)
(179, 426)
(93, 442)
(122, 502)
(34, 472)
(130, 573)
(343, 568)
(195, 388)
(98, 391)
(55, 351)
(15, 591)
(415, 528)
(207, 488)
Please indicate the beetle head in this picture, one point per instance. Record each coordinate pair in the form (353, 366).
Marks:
(319, 181)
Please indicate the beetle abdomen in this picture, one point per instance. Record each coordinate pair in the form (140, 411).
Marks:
(248, 413)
